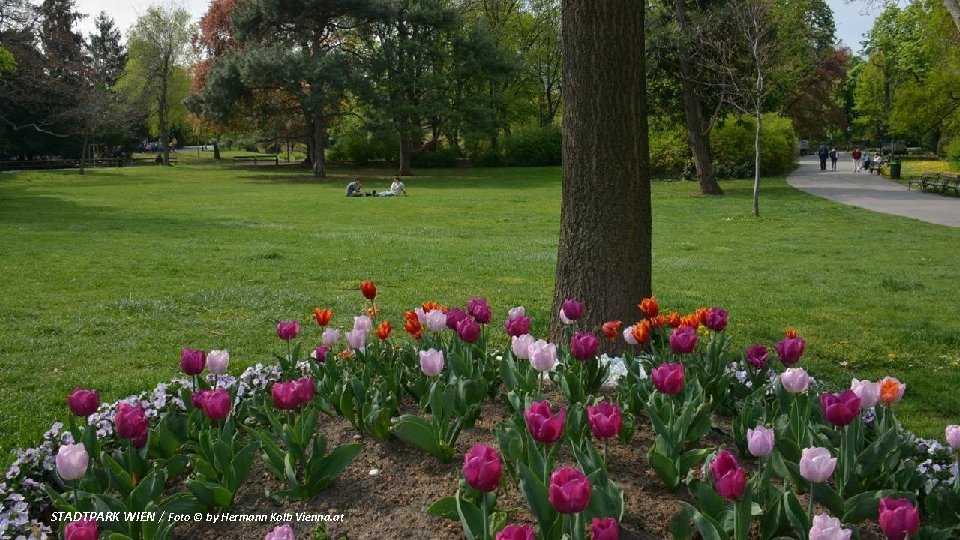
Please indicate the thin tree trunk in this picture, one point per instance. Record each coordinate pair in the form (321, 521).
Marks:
(83, 154)
(162, 112)
(756, 164)
(604, 253)
(216, 149)
(697, 131)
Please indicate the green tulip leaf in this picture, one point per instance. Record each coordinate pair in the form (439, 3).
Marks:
(471, 518)
(665, 469)
(418, 432)
(823, 494)
(445, 508)
(323, 471)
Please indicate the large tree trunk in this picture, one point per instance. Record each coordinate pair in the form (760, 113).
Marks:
(406, 154)
(216, 149)
(604, 254)
(318, 143)
(697, 127)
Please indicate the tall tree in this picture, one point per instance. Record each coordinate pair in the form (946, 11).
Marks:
(158, 48)
(105, 50)
(604, 253)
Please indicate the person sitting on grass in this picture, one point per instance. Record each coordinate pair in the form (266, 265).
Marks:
(354, 189)
(396, 188)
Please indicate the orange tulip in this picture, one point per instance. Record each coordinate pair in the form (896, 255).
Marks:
(430, 305)
(658, 322)
(323, 316)
(372, 311)
(611, 329)
(649, 307)
(368, 289)
(412, 325)
(791, 333)
(891, 390)
(383, 330)
(701, 315)
(641, 331)
(345, 354)
(692, 320)
(674, 319)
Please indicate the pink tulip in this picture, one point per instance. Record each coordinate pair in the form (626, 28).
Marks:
(729, 480)
(482, 468)
(790, 350)
(363, 323)
(468, 330)
(760, 441)
(330, 338)
(83, 402)
(868, 392)
(583, 346)
(826, 527)
(543, 355)
(898, 518)
(478, 308)
(216, 404)
(517, 324)
(757, 356)
(283, 532)
(131, 423)
(192, 361)
(629, 337)
(304, 390)
(668, 378)
(840, 409)
(218, 361)
(569, 491)
(570, 310)
(544, 426)
(436, 320)
(356, 339)
(320, 353)
(520, 345)
(284, 395)
(816, 464)
(716, 319)
(287, 330)
(605, 420)
(683, 340)
(604, 529)
(952, 435)
(516, 532)
(795, 380)
(72, 461)
(81, 529)
(431, 362)
(454, 316)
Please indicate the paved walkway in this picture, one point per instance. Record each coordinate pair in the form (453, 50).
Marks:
(873, 192)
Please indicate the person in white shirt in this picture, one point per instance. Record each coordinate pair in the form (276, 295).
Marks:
(396, 188)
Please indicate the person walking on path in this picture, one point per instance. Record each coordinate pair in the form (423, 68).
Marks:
(833, 158)
(856, 155)
(822, 153)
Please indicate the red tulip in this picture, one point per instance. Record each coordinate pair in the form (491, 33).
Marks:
(368, 289)
(569, 491)
(649, 307)
(728, 477)
(322, 316)
(840, 409)
(611, 329)
(605, 420)
(383, 330)
(544, 426)
(668, 378)
(83, 402)
(898, 518)
(482, 468)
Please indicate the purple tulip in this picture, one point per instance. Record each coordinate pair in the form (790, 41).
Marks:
(363, 323)
(571, 310)
(284, 395)
(544, 426)
(81, 529)
(320, 353)
(543, 355)
(840, 409)
(304, 390)
(795, 380)
(431, 362)
(583, 346)
(605, 420)
(454, 316)
(282, 532)
(218, 362)
(729, 480)
(330, 338)
(760, 441)
(757, 356)
(482, 468)
(517, 325)
(569, 491)
(192, 361)
(287, 330)
(716, 319)
(516, 532)
(216, 404)
(826, 527)
(952, 436)
(604, 529)
(790, 350)
(131, 423)
(868, 392)
(356, 338)
(436, 320)
(898, 518)
(817, 464)
(478, 308)
(520, 345)
(83, 402)
(468, 330)
(72, 461)
(683, 339)
(668, 378)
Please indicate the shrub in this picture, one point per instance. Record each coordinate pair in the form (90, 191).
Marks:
(484, 156)
(442, 157)
(731, 145)
(533, 147)
(670, 155)
(952, 150)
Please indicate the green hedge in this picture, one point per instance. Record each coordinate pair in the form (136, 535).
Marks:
(952, 150)
(731, 145)
(442, 157)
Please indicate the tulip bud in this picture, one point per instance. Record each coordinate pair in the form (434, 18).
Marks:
(605, 420)
(668, 378)
(322, 316)
(72, 461)
(482, 468)
(131, 423)
(760, 441)
(583, 346)
(431, 362)
(383, 330)
(790, 350)
(816, 464)
(218, 361)
(569, 491)
(729, 480)
(544, 426)
(216, 404)
(83, 402)
(192, 361)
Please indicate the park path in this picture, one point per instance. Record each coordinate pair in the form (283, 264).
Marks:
(873, 192)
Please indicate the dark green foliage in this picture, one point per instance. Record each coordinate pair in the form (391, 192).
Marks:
(953, 150)
(533, 147)
(731, 144)
(670, 153)
(443, 157)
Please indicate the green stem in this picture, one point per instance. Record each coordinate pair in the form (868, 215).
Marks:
(486, 516)
(810, 507)
(736, 521)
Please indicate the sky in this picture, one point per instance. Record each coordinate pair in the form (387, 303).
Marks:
(852, 20)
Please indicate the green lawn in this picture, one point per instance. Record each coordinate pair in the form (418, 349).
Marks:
(107, 276)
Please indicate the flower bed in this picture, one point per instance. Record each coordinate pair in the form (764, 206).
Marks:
(823, 464)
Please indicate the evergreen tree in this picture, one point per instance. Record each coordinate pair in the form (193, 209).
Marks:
(107, 55)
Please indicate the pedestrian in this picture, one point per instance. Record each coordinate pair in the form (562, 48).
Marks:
(823, 153)
(833, 158)
(856, 155)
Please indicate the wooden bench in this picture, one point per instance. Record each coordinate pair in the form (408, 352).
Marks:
(944, 181)
(926, 179)
(151, 160)
(257, 158)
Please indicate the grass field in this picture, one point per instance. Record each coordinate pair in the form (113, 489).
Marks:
(107, 276)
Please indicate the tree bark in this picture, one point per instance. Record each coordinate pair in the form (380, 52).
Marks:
(697, 127)
(83, 154)
(406, 154)
(318, 140)
(953, 6)
(756, 163)
(162, 111)
(604, 254)
(216, 149)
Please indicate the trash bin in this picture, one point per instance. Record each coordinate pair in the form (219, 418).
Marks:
(894, 170)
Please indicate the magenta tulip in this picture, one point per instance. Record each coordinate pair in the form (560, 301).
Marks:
(454, 316)
(71, 461)
(83, 402)
(192, 361)
(757, 356)
(569, 491)
(304, 390)
(840, 409)
(482, 468)
(898, 518)
(320, 353)
(668, 378)
(131, 423)
(287, 330)
(716, 319)
(468, 330)
(604, 529)
(570, 310)
(517, 324)
(544, 426)
(516, 532)
(284, 395)
(197, 398)
(605, 420)
(216, 404)
(478, 308)
(81, 529)
(583, 346)
(729, 480)
(790, 350)
(683, 340)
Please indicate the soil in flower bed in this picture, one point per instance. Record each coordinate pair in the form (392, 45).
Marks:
(393, 503)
